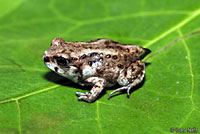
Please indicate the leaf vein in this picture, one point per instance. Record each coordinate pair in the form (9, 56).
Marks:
(177, 26)
(59, 15)
(98, 116)
(190, 67)
(192, 79)
(19, 117)
(29, 94)
(132, 15)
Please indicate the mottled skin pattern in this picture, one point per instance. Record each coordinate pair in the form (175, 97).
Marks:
(99, 63)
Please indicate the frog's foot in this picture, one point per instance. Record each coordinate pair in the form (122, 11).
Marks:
(82, 96)
(128, 88)
(99, 84)
(85, 97)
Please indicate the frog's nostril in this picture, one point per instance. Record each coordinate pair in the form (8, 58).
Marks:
(46, 59)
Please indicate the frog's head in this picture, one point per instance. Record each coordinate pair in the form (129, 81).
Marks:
(55, 58)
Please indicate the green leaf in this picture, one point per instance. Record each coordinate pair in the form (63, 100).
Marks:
(34, 100)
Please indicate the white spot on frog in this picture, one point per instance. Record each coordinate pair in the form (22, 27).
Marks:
(88, 71)
(177, 82)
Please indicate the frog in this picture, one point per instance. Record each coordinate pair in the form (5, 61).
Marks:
(98, 63)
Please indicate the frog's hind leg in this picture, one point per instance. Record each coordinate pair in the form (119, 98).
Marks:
(130, 77)
(99, 84)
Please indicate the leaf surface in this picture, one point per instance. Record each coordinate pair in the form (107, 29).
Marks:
(35, 100)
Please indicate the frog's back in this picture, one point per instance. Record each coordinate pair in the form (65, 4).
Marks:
(106, 50)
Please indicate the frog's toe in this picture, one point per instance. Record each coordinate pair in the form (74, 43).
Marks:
(128, 91)
(81, 94)
(117, 90)
(82, 98)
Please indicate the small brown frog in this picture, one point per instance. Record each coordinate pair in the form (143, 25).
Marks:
(99, 63)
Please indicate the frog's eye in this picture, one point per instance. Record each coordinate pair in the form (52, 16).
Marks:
(62, 62)
(57, 41)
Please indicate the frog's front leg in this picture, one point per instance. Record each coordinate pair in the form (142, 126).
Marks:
(130, 77)
(99, 84)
